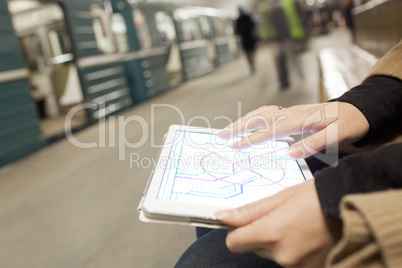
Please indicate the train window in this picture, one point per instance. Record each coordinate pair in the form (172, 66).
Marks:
(59, 42)
(205, 27)
(166, 29)
(219, 27)
(119, 30)
(102, 29)
(191, 29)
(229, 28)
(142, 27)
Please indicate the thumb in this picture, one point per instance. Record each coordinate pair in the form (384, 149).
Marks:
(246, 214)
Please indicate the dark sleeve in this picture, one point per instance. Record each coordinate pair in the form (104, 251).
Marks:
(379, 98)
(359, 173)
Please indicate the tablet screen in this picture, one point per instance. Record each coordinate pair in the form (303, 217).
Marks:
(204, 169)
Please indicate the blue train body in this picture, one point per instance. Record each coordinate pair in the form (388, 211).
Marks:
(108, 55)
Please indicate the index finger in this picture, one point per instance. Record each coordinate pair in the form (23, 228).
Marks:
(272, 132)
(253, 120)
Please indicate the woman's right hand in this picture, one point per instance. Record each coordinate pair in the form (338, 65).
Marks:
(332, 124)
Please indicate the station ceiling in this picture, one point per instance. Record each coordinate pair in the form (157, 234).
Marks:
(248, 5)
(229, 5)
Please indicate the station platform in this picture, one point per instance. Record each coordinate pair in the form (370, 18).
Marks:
(74, 207)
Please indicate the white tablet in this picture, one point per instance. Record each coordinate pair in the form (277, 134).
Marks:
(198, 174)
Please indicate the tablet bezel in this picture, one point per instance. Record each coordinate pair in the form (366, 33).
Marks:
(154, 208)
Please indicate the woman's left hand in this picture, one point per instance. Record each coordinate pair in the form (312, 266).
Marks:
(288, 228)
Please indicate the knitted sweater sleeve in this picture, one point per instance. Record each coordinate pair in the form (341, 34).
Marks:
(379, 98)
(359, 173)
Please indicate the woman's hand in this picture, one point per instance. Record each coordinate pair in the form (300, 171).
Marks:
(288, 228)
(332, 124)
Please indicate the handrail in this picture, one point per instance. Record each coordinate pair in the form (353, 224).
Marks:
(14, 75)
(64, 58)
(222, 40)
(367, 6)
(150, 52)
(99, 60)
(193, 44)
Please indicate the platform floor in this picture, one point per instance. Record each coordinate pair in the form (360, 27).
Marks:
(72, 207)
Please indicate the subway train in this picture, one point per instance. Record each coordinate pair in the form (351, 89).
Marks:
(104, 56)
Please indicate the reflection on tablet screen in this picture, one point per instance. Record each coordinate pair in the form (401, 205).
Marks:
(203, 169)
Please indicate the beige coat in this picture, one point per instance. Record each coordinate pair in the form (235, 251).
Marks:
(372, 232)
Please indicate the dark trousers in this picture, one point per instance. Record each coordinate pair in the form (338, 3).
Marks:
(209, 250)
(281, 67)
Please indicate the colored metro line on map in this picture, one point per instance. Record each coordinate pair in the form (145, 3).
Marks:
(204, 169)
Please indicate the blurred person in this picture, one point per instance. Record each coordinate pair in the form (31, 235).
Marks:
(288, 20)
(245, 27)
(337, 18)
(348, 13)
(350, 215)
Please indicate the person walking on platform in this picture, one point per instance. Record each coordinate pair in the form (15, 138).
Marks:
(288, 24)
(245, 27)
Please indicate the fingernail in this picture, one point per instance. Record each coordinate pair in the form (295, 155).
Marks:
(295, 152)
(225, 214)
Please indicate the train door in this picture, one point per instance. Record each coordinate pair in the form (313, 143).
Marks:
(230, 32)
(47, 50)
(225, 40)
(167, 32)
(206, 29)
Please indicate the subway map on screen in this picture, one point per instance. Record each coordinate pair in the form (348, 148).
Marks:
(204, 169)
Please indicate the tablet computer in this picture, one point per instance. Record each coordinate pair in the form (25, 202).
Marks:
(198, 174)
